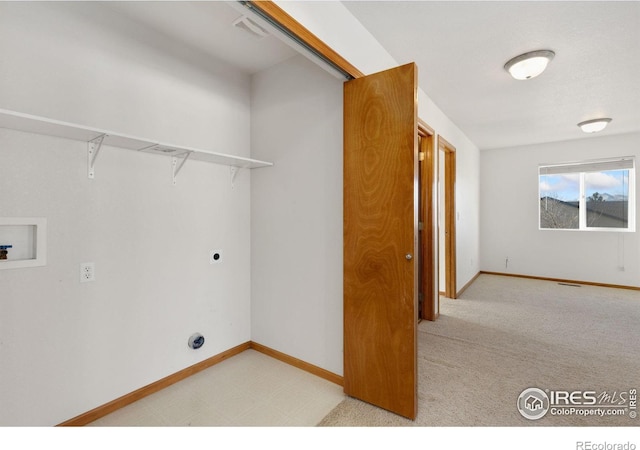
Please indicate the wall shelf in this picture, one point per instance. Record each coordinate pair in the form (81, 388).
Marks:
(95, 138)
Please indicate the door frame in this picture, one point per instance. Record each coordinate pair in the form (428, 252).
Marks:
(449, 185)
(429, 223)
(278, 17)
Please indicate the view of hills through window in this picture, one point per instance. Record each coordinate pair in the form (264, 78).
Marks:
(604, 194)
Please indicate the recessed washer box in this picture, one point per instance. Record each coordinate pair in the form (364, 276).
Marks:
(25, 239)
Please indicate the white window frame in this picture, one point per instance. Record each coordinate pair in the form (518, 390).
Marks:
(584, 167)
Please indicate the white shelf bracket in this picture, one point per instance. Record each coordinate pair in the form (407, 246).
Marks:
(93, 149)
(233, 171)
(149, 147)
(177, 166)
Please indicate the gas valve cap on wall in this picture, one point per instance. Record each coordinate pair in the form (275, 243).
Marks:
(196, 341)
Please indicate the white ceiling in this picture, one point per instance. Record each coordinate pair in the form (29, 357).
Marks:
(205, 27)
(460, 48)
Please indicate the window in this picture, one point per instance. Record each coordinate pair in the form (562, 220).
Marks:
(590, 195)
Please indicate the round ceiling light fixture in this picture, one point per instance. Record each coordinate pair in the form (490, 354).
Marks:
(594, 125)
(529, 65)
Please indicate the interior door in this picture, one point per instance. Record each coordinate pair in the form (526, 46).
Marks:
(381, 239)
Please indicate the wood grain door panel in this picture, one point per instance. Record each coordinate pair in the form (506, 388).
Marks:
(380, 239)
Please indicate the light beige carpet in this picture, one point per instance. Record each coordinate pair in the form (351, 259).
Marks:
(507, 334)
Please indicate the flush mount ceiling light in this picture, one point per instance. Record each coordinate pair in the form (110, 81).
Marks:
(594, 125)
(529, 65)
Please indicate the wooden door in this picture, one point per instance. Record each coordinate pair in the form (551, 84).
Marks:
(381, 239)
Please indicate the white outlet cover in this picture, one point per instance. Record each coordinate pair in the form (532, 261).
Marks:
(87, 272)
(215, 256)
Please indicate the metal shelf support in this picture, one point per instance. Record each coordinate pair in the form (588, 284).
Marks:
(93, 149)
(233, 171)
(177, 166)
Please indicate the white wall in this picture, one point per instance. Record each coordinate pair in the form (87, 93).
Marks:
(336, 26)
(67, 347)
(296, 213)
(82, 63)
(509, 217)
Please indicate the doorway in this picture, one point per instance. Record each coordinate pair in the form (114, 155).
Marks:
(447, 217)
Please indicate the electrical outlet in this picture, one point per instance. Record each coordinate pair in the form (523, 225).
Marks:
(215, 256)
(87, 272)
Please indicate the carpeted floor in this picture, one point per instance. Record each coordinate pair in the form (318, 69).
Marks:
(507, 334)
